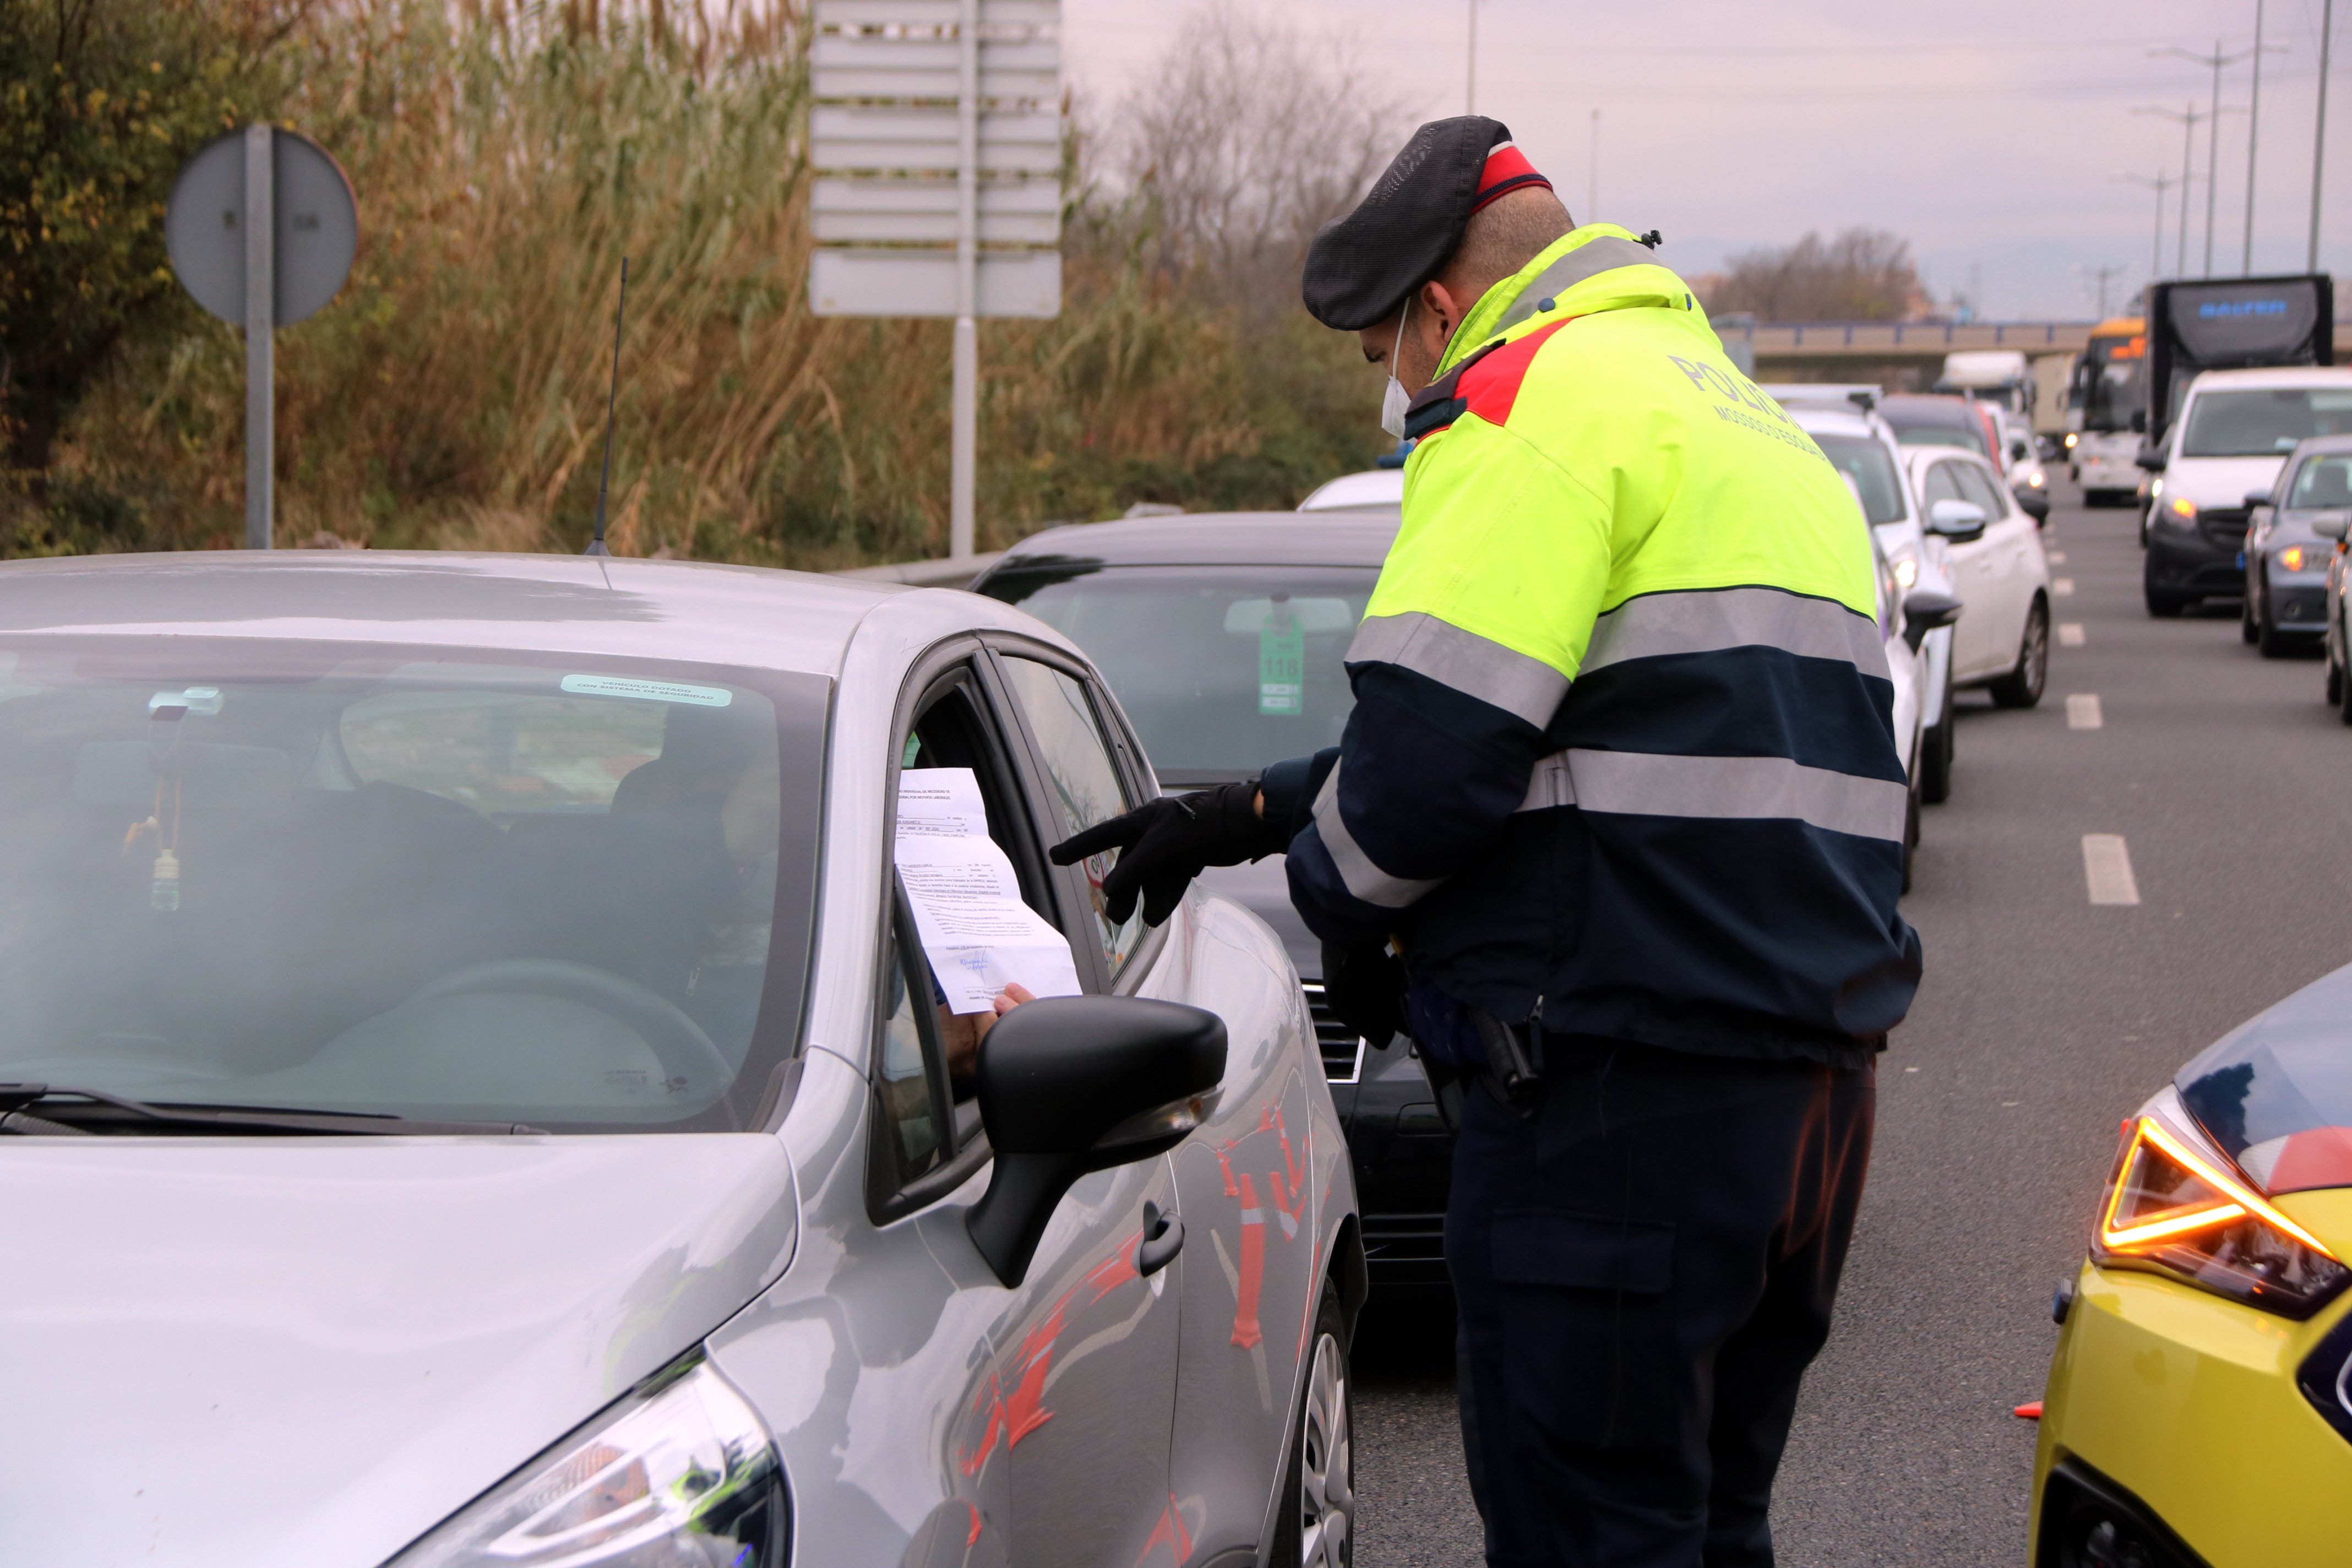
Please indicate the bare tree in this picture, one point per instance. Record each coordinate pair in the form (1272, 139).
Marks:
(1862, 275)
(1248, 139)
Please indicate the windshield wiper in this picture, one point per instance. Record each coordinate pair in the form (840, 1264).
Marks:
(66, 1109)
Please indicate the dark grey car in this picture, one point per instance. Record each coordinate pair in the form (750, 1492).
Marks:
(1180, 616)
(2287, 558)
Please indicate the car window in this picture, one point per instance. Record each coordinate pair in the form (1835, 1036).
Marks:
(480, 886)
(1866, 460)
(1202, 657)
(1968, 439)
(1978, 485)
(1082, 779)
(1942, 483)
(909, 1069)
(2324, 482)
(2251, 422)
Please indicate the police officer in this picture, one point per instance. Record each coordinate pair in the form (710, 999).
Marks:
(1620, 786)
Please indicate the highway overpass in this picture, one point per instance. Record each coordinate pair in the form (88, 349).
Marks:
(1830, 349)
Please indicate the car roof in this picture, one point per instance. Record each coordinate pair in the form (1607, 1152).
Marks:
(2274, 375)
(1829, 418)
(2316, 445)
(617, 605)
(1927, 408)
(1919, 457)
(1346, 538)
(1360, 491)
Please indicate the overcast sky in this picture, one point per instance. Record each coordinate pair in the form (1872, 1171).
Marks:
(1989, 135)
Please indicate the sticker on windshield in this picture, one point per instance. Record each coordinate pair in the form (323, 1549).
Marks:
(1282, 664)
(646, 690)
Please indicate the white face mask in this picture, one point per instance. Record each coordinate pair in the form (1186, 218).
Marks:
(1393, 402)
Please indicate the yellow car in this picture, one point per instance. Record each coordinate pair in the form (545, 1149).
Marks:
(2200, 1407)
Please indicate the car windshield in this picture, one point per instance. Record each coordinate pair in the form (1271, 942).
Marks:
(1222, 670)
(1967, 437)
(2322, 483)
(1864, 461)
(2262, 422)
(464, 886)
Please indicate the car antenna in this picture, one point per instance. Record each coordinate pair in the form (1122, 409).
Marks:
(611, 393)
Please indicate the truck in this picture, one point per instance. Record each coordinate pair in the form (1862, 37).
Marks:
(2241, 324)
(1999, 376)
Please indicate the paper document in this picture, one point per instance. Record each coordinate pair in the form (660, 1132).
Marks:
(976, 931)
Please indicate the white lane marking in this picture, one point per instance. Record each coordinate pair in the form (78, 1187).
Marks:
(2107, 867)
(2062, 586)
(2057, 558)
(2083, 711)
(2070, 634)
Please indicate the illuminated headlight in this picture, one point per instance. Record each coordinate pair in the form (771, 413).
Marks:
(2182, 510)
(2304, 557)
(1906, 573)
(2176, 1205)
(2037, 479)
(2071, 439)
(679, 1474)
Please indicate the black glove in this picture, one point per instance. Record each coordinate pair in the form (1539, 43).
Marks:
(1364, 985)
(1163, 845)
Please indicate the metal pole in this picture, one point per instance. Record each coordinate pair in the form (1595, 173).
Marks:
(2319, 134)
(2214, 158)
(261, 289)
(1470, 84)
(2156, 254)
(2253, 123)
(964, 409)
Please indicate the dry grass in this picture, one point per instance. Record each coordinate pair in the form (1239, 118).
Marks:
(506, 158)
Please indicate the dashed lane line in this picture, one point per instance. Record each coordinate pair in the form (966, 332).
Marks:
(2057, 558)
(2083, 711)
(2070, 634)
(2107, 869)
(2062, 586)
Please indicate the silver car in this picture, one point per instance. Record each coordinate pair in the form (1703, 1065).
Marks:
(474, 1093)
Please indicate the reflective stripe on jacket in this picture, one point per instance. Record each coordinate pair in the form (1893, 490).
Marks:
(1623, 737)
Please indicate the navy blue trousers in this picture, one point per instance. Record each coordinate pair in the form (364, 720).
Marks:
(1643, 1268)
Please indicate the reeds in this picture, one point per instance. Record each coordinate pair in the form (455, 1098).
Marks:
(505, 156)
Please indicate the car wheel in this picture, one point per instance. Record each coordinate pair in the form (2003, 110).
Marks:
(1317, 1526)
(2021, 687)
(1935, 751)
(2247, 630)
(2339, 691)
(2267, 640)
(2163, 606)
(2335, 679)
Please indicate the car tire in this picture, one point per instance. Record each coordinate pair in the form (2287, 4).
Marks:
(2247, 630)
(2334, 674)
(2339, 691)
(2021, 687)
(2267, 640)
(1316, 1525)
(2165, 607)
(1936, 748)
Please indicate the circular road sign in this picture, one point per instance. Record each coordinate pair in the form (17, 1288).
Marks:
(316, 220)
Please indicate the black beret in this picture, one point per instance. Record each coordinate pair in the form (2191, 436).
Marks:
(1361, 267)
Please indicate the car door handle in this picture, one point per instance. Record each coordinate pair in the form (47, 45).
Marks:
(1163, 1238)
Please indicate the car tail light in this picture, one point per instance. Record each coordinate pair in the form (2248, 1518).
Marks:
(2176, 1204)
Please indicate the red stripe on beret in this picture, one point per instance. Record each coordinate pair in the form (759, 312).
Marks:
(1507, 170)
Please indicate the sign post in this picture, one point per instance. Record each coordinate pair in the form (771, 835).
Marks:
(910, 93)
(261, 229)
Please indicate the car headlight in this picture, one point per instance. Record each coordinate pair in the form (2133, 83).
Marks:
(1907, 572)
(2304, 557)
(679, 1474)
(2071, 439)
(2180, 509)
(2037, 479)
(2174, 1203)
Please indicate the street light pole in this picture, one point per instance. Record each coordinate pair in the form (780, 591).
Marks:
(2159, 183)
(2217, 60)
(2319, 134)
(2188, 117)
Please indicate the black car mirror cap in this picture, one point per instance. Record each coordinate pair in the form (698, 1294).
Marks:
(1923, 611)
(2332, 526)
(1067, 1085)
(2257, 498)
(1959, 521)
(2151, 458)
(2017, 451)
(2032, 502)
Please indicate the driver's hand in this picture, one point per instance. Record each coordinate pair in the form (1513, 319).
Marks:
(1164, 844)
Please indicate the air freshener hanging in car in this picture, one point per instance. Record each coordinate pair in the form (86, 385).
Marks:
(1282, 663)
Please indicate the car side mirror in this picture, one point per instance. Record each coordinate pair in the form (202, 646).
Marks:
(1961, 522)
(2257, 498)
(2331, 527)
(2139, 421)
(2151, 458)
(2032, 502)
(2017, 451)
(1926, 610)
(1067, 1085)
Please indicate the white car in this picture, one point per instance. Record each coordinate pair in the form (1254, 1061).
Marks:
(1864, 448)
(2225, 447)
(1374, 489)
(2002, 643)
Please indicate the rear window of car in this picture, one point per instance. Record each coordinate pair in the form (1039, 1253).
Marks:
(2262, 421)
(468, 886)
(1866, 460)
(1221, 669)
(1968, 437)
